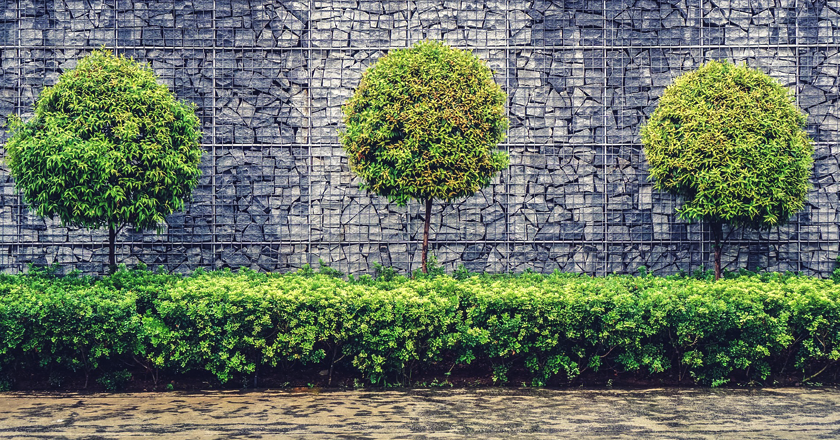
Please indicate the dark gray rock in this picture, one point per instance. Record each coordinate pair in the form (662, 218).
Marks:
(580, 78)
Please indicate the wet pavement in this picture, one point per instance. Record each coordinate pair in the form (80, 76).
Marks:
(780, 413)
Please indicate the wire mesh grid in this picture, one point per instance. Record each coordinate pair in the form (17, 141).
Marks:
(269, 78)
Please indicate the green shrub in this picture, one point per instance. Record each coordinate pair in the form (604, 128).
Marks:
(108, 146)
(423, 125)
(230, 324)
(115, 380)
(549, 328)
(730, 141)
(76, 327)
(324, 269)
(384, 273)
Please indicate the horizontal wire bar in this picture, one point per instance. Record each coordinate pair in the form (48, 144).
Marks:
(418, 241)
(487, 47)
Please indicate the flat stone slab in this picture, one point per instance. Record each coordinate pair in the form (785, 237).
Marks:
(779, 413)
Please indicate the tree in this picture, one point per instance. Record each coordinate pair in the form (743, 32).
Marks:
(423, 125)
(730, 141)
(107, 146)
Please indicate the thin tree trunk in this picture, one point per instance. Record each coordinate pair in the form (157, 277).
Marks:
(426, 233)
(112, 250)
(717, 235)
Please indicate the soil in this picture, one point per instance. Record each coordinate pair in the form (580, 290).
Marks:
(475, 375)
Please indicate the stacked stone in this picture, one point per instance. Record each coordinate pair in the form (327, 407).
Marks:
(8, 23)
(468, 23)
(261, 97)
(359, 24)
(566, 23)
(637, 215)
(260, 24)
(164, 24)
(819, 94)
(9, 79)
(818, 23)
(269, 79)
(653, 23)
(746, 23)
(62, 23)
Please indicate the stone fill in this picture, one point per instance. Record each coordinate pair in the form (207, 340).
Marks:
(269, 79)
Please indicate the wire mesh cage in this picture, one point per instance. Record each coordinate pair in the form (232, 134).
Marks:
(269, 78)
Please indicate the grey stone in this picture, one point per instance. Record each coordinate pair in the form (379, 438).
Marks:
(234, 259)
(277, 114)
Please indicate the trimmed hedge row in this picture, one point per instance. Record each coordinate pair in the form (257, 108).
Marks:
(551, 327)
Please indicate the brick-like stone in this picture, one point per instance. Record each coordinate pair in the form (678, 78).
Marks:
(581, 76)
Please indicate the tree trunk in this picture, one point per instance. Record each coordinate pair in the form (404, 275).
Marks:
(112, 248)
(717, 236)
(426, 233)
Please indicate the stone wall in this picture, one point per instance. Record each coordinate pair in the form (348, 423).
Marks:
(269, 78)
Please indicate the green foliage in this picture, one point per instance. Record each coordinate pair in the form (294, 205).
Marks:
(554, 328)
(462, 273)
(324, 269)
(384, 273)
(306, 271)
(108, 146)
(70, 324)
(835, 274)
(229, 324)
(115, 380)
(433, 270)
(423, 124)
(731, 142)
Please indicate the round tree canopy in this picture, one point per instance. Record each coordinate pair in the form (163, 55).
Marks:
(731, 142)
(108, 145)
(424, 123)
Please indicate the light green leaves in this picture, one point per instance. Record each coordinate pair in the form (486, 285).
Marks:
(546, 329)
(107, 146)
(423, 124)
(731, 142)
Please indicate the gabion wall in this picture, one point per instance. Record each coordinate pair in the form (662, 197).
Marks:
(269, 78)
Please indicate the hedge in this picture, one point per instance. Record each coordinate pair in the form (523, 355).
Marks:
(549, 328)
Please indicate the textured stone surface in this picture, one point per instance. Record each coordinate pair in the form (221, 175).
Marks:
(492, 413)
(269, 78)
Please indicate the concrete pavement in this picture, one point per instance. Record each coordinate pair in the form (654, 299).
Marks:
(491, 413)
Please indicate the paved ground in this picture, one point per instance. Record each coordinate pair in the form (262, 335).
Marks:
(427, 414)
